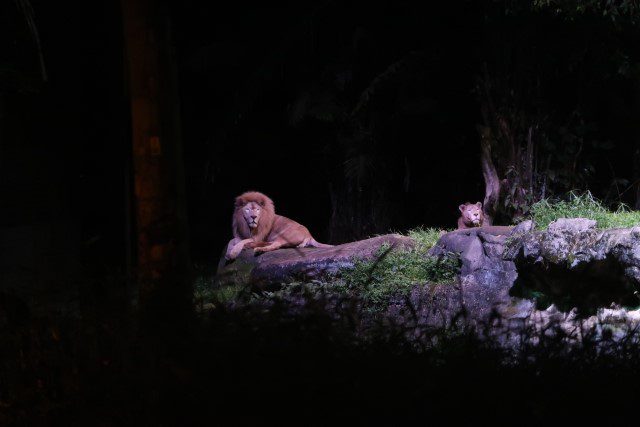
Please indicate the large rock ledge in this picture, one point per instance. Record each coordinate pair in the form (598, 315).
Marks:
(581, 270)
(304, 264)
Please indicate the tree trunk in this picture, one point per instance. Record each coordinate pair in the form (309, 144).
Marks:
(160, 226)
(491, 181)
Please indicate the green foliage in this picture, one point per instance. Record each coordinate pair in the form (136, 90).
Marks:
(426, 237)
(206, 292)
(395, 271)
(582, 206)
(615, 10)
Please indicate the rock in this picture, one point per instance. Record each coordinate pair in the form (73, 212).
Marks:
(572, 257)
(470, 244)
(572, 262)
(306, 264)
(571, 225)
(523, 227)
(485, 278)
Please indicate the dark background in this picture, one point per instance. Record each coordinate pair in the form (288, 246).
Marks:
(65, 141)
(242, 76)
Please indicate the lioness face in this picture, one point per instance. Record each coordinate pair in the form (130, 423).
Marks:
(251, 213)
(472, 213)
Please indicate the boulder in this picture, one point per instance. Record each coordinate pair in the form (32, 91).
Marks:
(302, 264)
(574, 260)
(485, 277)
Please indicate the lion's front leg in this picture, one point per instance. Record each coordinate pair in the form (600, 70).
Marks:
(272, 247)
(255, 244)
(235, 247)
(230, 246)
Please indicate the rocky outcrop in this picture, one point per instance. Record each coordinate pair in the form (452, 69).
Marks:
(576, 264)
(585, 274)
(579, 276)
(303, 264)
(485, 278)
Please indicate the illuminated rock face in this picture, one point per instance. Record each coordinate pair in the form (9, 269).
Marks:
(574, 260)
(572, 263)
(585, 276)
(485, 278)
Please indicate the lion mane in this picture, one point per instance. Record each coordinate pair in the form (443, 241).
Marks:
(269, 232)
(241, 228)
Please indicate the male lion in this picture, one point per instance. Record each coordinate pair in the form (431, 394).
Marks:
(256, 225)
(472, 216)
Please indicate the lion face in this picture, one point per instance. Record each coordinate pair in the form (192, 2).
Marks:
(251, 213)
(253, 216)
(472, 213)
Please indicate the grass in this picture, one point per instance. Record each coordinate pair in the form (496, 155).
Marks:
(426, 237)
(583, 206)
(206, 292)
(396, 271)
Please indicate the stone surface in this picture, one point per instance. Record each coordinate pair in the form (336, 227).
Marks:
(285, 265)
(588, 274)
(485, 278)
(572, 257)
(571, 225)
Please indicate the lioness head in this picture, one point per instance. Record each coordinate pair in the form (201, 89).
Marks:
(472, 213)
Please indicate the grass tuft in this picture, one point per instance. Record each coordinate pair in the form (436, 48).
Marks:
(583, 206)
(426, 237)
(396, 271)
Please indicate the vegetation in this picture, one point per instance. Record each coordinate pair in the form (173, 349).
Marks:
(426, 238)
(395, 272)
(582, 206)
(207, 293)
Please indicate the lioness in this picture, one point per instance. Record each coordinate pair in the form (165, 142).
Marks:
(256, 225)
(471, 215)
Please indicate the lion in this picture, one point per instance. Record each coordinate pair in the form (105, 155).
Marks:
(256, 225)
(471, 215)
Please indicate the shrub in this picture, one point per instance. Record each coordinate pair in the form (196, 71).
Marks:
(582, 206)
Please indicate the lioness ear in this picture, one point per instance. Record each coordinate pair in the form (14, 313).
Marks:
(261, 203)
(479, 204)
(239, 202)
(461, 207)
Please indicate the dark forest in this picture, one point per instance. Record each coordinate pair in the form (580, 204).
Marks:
(128, 128)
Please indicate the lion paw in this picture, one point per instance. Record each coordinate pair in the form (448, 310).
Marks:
(234, 253)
